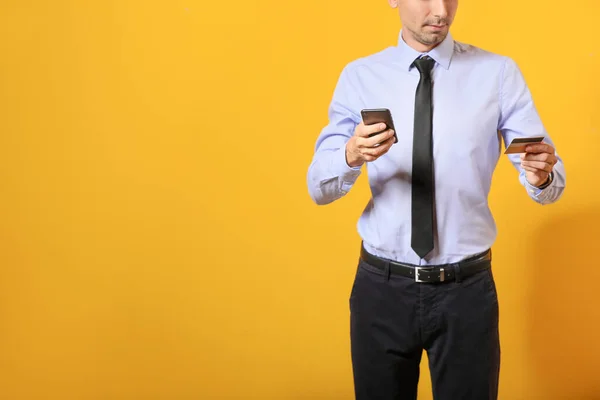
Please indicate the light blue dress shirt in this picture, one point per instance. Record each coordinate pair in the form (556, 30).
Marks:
(478, 97)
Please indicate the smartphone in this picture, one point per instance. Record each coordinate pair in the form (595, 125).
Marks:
(372, 116)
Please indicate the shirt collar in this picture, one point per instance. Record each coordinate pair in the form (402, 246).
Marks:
(442, 53)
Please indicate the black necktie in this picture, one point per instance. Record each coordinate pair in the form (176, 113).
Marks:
(422, 172)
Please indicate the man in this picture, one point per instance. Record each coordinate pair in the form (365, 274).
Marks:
(424, 279)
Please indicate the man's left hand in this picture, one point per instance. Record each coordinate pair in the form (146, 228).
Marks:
(538, 161)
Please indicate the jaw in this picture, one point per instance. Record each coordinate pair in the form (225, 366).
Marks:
(430, 37)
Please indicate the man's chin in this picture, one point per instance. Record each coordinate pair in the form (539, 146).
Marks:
(431, 38)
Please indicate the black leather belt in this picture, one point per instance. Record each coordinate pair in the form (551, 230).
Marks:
(431, 273)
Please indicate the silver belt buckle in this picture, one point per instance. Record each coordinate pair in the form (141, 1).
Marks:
(417, 269)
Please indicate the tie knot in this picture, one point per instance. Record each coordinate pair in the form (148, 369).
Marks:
(424, 65)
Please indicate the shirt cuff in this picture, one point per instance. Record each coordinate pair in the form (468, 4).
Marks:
(340, 167)
(537, 191)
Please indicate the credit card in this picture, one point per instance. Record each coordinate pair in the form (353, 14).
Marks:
(518, 145)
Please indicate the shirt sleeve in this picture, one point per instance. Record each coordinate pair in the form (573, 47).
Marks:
(519, 118)
(329, 175)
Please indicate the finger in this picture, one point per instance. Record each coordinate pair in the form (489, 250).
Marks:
(531, 169)
(545, 157)
(540, 148)
(373, 141)
(385, 146)
(536, 156)
(379, 150)
(379, 138)
(537, 165)
(367, 130)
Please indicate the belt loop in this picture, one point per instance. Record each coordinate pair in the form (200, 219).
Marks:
(458, 278)
(386, 271)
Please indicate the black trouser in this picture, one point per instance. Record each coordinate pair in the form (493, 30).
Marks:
(394, 318)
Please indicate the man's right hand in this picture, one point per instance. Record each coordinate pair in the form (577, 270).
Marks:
(361, 148)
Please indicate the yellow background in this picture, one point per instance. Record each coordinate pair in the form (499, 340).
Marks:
(157, 240)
